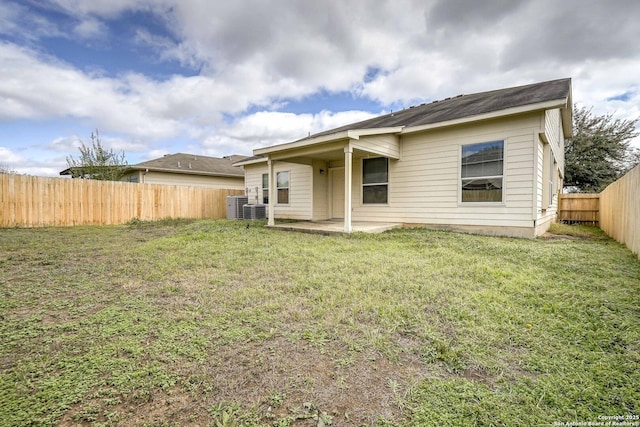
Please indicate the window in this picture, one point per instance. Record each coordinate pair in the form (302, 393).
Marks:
(265, 188)
(282, 185)
(375, 180)
(548, 177)
(482, 172)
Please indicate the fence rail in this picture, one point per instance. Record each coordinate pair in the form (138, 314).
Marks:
(620, 210)
(31, 201)
(580, 209)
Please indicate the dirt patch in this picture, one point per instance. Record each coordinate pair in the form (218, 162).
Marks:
(275, 379)
(280, 378)
(551, 236)
(479, 375)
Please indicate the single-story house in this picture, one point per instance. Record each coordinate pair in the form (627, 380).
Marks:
(188, 170)
(490, 162)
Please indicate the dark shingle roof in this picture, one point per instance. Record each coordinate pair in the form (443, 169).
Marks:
(194, 164)
(247, 160)
(462, 106)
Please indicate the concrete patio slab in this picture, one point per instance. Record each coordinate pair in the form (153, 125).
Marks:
(336, 227)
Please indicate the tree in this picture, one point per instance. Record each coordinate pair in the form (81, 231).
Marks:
(95, 162)
(599, 152)
(7, 170)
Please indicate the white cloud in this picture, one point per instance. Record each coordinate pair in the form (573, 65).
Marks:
(266, 128)
(155, 154)
(18, 21)
(90, 28)
(12, 161)
(35, 87)
(65, 144)
(9, 158)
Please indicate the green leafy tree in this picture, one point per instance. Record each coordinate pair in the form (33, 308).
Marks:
(95, 162)
(599, 152)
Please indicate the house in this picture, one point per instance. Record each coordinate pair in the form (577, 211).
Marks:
(189, 169)
(490, 163)
(186, 169)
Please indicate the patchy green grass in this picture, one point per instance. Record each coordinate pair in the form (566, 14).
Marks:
(226, 323)
(581, 231)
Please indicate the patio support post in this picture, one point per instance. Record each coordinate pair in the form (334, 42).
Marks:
(348, 176)
(272, 193)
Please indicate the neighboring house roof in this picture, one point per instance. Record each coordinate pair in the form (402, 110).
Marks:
(457, 109)
(193, 164)
(79, 171)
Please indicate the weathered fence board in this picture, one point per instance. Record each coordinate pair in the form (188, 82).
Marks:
(579, 209)
(620, 210)
(31, 201)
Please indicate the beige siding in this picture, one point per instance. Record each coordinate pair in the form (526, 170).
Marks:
(551, 124)
(384, 145)
(555, 135)
(300, 204)
(539, 178)
(192, 180)
(320, 190)
(545, 213)
(253, 182)
(424, 185)
(553, 152)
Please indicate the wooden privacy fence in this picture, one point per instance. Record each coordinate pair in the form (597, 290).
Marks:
(31, 201)
(620, 210)
(579, 209)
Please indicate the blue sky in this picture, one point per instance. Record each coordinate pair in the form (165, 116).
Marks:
(219, 78)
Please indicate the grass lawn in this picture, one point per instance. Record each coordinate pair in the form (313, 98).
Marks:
(226, 323)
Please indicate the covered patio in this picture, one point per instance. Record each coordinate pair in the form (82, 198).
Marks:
(333, 156)
(330, 227)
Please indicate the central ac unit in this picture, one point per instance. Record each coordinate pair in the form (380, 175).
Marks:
(234, 206)
(254, 211)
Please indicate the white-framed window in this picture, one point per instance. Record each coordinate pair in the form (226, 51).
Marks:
(375, 180)
(265, 188)
(282, 187)
(482, 172)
